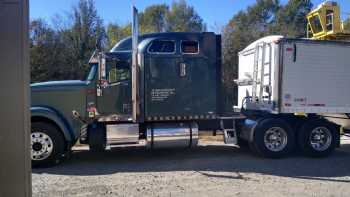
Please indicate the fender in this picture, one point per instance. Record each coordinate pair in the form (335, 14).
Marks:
(248, 128)
(55, 116)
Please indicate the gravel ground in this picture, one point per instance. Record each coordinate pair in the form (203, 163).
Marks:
(212, 169)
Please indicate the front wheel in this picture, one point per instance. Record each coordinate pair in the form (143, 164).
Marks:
(47, 145)
(273, 138)
(318, 138)
(97, 137)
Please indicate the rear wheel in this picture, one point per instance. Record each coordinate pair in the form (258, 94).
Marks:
(318, 138)
(273, 138)
(47, 145)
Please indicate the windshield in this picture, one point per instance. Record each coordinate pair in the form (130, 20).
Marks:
(92, 73)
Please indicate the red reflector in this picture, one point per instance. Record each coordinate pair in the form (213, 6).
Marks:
(289, 49)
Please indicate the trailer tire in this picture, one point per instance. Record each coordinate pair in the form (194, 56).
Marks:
(47, 145)
(318, 138)
(273, 138)
(97, 137)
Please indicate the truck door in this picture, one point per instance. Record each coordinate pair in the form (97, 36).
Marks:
(161, 72)
(116, 95)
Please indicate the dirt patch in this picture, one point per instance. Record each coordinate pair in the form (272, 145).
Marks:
(211, 169)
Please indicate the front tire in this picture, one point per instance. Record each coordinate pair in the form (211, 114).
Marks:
(318, 138)
(47, 145)
(273, 138)
(97, 137)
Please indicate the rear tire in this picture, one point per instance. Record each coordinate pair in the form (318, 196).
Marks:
(97, 137)
(47, 145)
(318, 138)
(273, 138)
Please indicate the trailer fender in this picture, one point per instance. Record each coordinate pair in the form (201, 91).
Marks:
(248, 128)
(54, 116)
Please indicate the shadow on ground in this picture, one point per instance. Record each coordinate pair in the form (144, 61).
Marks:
(207, 160)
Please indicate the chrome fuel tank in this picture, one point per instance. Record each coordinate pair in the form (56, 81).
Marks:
(166, 135)
(122, 133)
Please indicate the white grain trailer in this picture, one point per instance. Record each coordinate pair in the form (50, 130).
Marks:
(294, 92)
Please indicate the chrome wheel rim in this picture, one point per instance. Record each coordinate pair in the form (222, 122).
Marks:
(41, 146)
(275, 139)
(320, 138)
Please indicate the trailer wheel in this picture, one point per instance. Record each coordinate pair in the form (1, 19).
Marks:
(47, 145)
(97, 137)
(318, 138)
(273, 138)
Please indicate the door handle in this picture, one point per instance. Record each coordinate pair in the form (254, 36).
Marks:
(183, 69)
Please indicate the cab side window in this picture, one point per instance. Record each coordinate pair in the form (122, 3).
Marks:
(116, 74)
(189, 47)
(162, 46)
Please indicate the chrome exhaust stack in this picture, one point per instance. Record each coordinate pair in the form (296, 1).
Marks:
(135, 82)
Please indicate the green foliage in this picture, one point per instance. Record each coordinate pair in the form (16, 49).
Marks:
(86, 30)
(116, 32)
(291, 19)
(182, 17)
(46, 60)
(152, 19)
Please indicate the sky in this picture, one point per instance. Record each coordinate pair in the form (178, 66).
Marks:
(215, 13)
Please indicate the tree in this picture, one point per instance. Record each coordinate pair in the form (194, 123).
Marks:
(182, 17)
(291, 19)
(45, 58)
(152, 19)
(86, 29)
(159, 18)
(115, 33)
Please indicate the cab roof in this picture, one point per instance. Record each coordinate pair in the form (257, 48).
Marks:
(125, 44)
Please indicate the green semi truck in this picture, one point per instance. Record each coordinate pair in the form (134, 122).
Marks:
(179, 76)
(160, 90)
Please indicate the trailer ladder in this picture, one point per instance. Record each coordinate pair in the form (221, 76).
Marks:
(265, 71)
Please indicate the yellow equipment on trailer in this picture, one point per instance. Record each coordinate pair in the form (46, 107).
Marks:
(324, 23)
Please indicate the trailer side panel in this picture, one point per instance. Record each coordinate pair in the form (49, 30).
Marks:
(315, 77)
